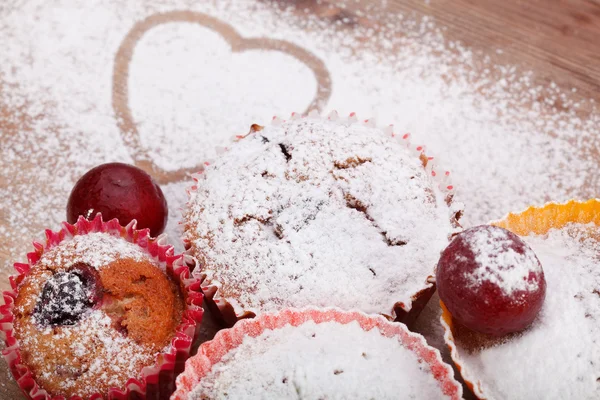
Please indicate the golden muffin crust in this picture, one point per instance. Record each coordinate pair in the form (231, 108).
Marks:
(142, 302)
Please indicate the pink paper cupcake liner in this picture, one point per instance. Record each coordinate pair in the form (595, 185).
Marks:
(154, 382)
(211, 352)
(222, 309)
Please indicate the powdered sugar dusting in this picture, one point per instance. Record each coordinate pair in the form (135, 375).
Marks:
(96, 249)
(92, 352)
(64, 298)
(558, 356)
(318, 212)
(326, 360)
(199, 54)
(495, 128)
(498, 262)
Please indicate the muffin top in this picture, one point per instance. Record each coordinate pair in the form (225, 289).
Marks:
(92, 312)
(557, 356)
(318, 212)
(329, 359)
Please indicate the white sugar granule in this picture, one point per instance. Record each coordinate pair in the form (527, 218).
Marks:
(318, 212)
(503, 137)
(95, 249)
(557, 358)
(316, 361)
(499, 263)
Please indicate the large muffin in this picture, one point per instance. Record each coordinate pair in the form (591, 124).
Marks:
(319, 212)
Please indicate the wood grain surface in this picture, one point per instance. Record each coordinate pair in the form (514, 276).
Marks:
(557, 39)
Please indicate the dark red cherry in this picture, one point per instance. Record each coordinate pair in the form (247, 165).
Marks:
(66, 296)
(491, 281)
(119, 191)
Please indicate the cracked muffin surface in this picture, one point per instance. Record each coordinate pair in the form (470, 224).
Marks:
(318, 212)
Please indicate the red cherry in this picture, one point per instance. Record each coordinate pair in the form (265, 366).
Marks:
(491, 281)
(119, 191)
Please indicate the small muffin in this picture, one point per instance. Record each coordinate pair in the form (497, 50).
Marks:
(317, 354)
(95, 306)
(323, 212)
(557, 355)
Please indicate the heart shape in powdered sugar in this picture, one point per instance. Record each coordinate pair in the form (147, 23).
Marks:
(305, 69)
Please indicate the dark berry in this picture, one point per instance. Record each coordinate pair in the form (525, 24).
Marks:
(119, 191)
(90, 278)
(491, 281)
(66, 296)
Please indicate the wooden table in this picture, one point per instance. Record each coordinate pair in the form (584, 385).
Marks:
(557, 39)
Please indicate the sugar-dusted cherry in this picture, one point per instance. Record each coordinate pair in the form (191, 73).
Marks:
(119, 191)
(491, 281)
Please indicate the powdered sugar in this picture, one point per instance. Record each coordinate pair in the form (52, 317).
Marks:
(326, 360)
(95, 249)
(495, 129)
(178, 197)
(318, 212)
(199, 54)
(65, 297)
(499, 263)
(557, 358)
(91, 354)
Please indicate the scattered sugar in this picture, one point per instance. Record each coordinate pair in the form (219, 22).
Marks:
(95, 249)
(313, 361)
(318, 212)
(508, 142)
(199, 54)
(64, 295)
(558, 356)
(499, 263)
(91, 355)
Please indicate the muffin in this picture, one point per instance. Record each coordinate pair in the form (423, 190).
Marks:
(323, 212)
(100, 310)
(317, 354)
(557, 356)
